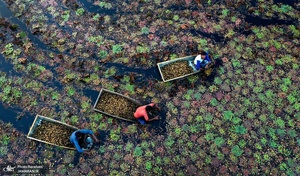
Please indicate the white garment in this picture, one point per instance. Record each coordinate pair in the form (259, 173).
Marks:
(198, 58)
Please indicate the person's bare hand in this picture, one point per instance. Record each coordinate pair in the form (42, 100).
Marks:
(156, 118)
(157, 107)
(87, 152)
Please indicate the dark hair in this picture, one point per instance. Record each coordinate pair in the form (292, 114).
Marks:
(81, 137)
(78, 134)
(203, 53)
(149, 108)
(150, 111)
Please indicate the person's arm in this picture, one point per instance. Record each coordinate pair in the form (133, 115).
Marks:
(86, 131)
(146, 116)
(77, 146)
(95, 138)
(157, 107)
(87, 152)
(155, 118)
(74, 140)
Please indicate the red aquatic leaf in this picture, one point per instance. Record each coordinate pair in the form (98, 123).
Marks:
(219, 95)
(195, 104)
(52, 3)
(142, 23)
(278, 111)
(96, 3)
(22, 60)
(173, 122)
(211, 110)
(152, 29)
(188, 2)
(160, 150)
(281, 95)
(224, 59)
(272, 49)
(192, 170)
(195, 14)
(233, 168)
(207, 97)
(182, 121)
(194, 138)
(248, 151)
(190, 39)
(225, 150)
(215, 162)
(129, 158)
(151, 36)
(238, 22)
(160, 137)
(223, 169)
(246, 172)
(227, 97)
(184, 26)
(184, 38)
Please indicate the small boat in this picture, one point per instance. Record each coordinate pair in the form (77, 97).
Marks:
(189, 63)
(50, 131)
(116, 105)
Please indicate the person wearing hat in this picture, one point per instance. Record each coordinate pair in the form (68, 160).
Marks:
(82, 140)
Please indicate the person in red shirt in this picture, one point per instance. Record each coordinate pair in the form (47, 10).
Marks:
(142, 113)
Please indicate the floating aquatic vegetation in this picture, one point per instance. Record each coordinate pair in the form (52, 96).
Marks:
(117, 48)
(257, 46)
(240, 129)
(79, 11)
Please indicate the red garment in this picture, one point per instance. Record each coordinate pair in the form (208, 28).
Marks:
(141, 112)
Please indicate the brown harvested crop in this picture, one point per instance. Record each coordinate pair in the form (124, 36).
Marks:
(176, 69)
(54, 133)
(116, 105)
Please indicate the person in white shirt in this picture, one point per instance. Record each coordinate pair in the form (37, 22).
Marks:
(201, 60)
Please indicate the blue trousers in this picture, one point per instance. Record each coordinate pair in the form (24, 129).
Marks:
(142, 121)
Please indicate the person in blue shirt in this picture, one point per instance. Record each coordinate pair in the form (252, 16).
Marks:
(82, 140)
(202, 60)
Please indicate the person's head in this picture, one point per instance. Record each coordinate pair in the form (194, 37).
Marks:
(203, 54)
(79, 135)
(149, 108)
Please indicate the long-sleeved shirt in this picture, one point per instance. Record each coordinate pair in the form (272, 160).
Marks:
(141, 112)
(74, 140)
(198, 60)
(201, 63)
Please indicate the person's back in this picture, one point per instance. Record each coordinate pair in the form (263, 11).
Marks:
(140, 112)
(198, 60)
(78, 137)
